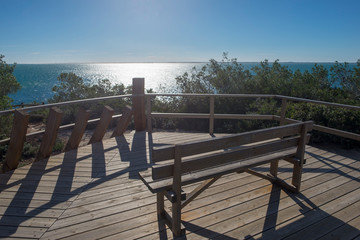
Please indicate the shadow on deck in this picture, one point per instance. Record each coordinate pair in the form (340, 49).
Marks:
(94, 192)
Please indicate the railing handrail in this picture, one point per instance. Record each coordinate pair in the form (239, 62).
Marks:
(87, 100)
(49, 105)
(211, 94)
(296, 99)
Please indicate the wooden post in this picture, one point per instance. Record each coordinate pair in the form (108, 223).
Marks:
(101, 127)
(49, 138)
(123, 121)
(283, 111)
(160, 204)
(211, 120)
(274, 165)
(78, 130)
(148, 114)
(139, 104)
(300, 155)
(17, 139)
(176, 206)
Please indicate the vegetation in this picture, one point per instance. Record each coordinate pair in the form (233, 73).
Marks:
(72, 87)
(8, 85)
(341, 84)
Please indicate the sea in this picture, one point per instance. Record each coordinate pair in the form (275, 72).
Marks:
(37, 80)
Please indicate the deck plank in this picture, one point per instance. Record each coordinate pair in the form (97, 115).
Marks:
(94, 192)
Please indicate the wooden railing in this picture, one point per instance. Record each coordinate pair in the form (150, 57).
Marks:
(142, 113)
(282, 118)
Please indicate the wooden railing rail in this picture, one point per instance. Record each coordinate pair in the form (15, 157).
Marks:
(68, 103)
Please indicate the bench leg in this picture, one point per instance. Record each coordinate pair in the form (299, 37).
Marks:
(296, 178)
(176, 218)
(160, 204)
(199, 189)
(273, 179)
(274, 165)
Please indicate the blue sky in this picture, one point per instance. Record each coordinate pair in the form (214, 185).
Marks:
(62, 31)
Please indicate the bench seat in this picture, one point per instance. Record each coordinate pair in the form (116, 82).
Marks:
(207, 160)
(165, 184)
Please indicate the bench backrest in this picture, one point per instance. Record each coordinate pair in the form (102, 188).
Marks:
(204, 154)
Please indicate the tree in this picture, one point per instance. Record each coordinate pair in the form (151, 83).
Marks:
(73, 87)
(8, 83)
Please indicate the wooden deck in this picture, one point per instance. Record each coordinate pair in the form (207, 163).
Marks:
(94, 193)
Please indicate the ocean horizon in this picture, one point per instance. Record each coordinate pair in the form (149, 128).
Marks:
(37, 80)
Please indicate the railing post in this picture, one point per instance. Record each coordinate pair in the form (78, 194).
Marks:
(78, 130)
(139, 104)
(283, 111)
(274, 165)
(123, 122)
(17, 139)
(211, 120)
(148, 113)
(49, 138)
(101, 127)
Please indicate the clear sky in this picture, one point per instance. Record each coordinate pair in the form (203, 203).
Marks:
(62, 31)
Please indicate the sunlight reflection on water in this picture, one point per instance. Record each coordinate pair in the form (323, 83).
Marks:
(37, 80)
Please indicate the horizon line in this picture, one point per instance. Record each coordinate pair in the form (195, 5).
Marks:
(152, 62)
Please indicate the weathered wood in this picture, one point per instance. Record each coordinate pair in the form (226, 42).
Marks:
(274, 167)
(49, 138)
(211, 160)
(197, 147)
(283, 111)
(216, 116)
(337, 132)
(101, 127)
(165, 184)
(212, 109)
(176, 206)
(210, 166)
(139, 104)
(78, 130)
(274, 164)
(148, 114)
(272, 179)
(300, 154)
(123, 121)
(198, 190)
(17, 139)
(160, 204)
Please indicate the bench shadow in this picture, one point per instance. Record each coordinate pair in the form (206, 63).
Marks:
(326, 160)
(137, 153)
(205, 233)
(312, 215)
(21, 201)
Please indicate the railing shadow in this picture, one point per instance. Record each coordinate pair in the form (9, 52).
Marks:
(25, 194)
(98, 162)
(63, 189)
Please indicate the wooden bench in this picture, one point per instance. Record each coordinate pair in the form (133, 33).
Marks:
(208, 160)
